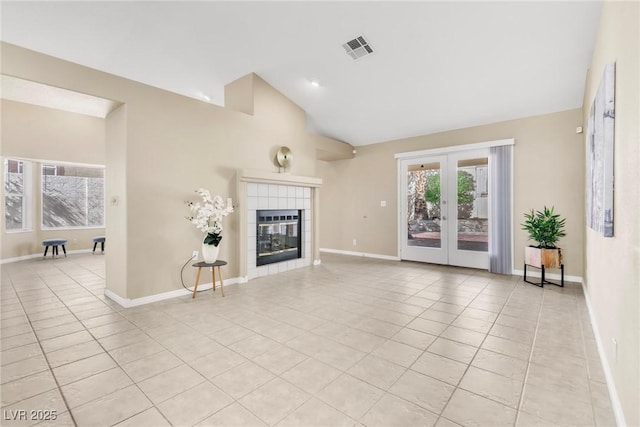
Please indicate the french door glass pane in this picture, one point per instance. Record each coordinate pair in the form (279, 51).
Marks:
(423, 213)
(472, 185)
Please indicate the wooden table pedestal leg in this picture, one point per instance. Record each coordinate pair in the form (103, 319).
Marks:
(213, 278)
(221, 281)
(195, 288)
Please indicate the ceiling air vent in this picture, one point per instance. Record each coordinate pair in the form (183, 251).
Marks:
(357, 48)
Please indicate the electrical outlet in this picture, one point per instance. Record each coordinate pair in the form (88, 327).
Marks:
(194, 254)
(354, 242)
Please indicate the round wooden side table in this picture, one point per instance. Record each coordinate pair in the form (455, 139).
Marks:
(217, 264)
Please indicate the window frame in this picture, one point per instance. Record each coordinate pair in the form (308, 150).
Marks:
(44, 164)
(27, 194)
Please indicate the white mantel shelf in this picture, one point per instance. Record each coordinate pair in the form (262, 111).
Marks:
(265, 177)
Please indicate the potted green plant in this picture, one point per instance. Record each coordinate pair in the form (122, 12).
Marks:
(544, 227)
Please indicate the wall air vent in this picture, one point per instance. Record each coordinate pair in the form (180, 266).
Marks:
(358, 48)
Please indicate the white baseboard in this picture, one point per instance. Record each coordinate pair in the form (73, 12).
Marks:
(128, 303)
(20, 258)
(608, 375)
(362, 254)
(554, 276)
(39, 255)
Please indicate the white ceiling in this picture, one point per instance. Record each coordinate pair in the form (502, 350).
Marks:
(437, 65)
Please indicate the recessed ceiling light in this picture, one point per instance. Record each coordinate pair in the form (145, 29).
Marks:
(315, 83)
(204, 97)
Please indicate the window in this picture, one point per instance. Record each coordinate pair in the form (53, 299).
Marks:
(72, 196)
(17, 189)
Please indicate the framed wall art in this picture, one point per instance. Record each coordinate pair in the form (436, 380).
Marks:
(600, 162)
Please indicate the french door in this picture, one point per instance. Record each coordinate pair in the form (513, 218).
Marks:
(444, 216)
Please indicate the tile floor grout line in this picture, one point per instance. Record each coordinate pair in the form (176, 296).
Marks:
(311, 396)
(425, 350)
(533, 345)
(206, 379)
(346, 372)
(99, 344)
(457, 386)
(55, 379)
(297, 302)
(586, 357)
(234, 400)
(104, 350)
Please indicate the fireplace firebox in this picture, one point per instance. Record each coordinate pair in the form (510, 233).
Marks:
(279, 236)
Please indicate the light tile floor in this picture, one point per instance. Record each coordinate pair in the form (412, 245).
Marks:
(351, 342)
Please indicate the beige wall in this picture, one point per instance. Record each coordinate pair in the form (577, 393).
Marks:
(548, 170)
(38, 133)
(612, 270)
(238, 95)
(329, 149)
(172, 146)
(176, 145)
(116, 200)
(34, 132)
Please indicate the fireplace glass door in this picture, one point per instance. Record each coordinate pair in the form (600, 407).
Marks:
(278, 236)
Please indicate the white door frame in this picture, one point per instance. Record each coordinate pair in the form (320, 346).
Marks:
(460, 257)
(437, 255)
(401, 228)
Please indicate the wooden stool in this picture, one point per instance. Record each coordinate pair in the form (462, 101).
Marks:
(217, 264)
(96, 240)
(54, 243)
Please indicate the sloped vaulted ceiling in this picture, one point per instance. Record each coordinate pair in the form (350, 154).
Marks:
(435, 65)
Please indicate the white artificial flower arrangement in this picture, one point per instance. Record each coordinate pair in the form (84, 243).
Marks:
(208, 215)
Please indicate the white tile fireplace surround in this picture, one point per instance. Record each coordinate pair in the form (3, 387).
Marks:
(258, 190)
